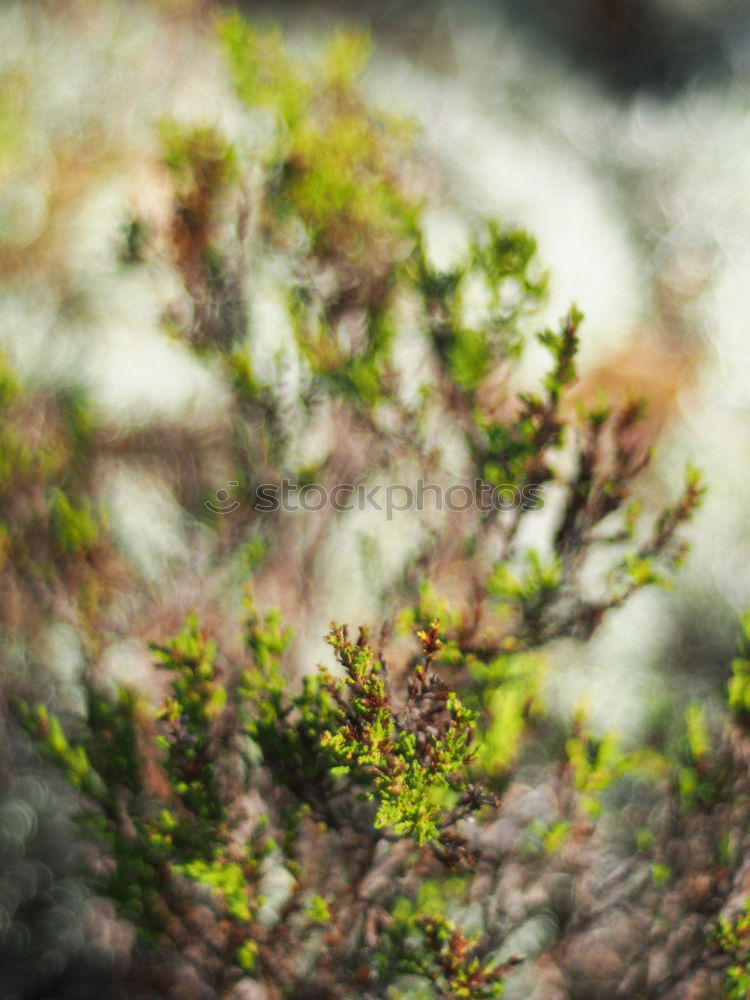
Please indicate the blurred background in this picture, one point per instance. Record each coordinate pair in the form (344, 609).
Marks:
(616, 131)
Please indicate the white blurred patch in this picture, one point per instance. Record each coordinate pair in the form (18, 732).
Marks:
(59, 649)
(136, 376)
(146, 521)
(130, 663)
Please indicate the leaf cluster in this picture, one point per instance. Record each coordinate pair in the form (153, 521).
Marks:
(413, 761)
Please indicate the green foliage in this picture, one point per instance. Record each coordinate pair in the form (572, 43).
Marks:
(532, 590)
(9, 387)
(136, 847)
(544, 838)
(512, 697)
(732, 937)
(661, 875)
(285, 727)
(699, 772)
(349, 730)
(598, 762)
(226, 878)
(697, 733)
(189, 713)
(513, 453)
(53, 743)
(343, 787)
(318, 911)
(336, 156)
(158, 802)
(201, 162)
(410, 774)
(332, 173)
(74, 529)
(261, 71)
(424, 944)
(53, 537)
(153, 798)
(498, 268)
(739, 686)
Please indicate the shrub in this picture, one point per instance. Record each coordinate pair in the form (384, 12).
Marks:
(392, 825)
